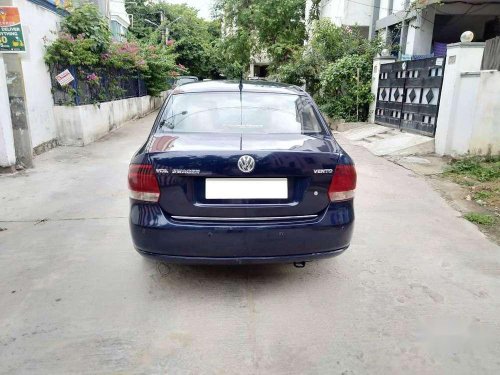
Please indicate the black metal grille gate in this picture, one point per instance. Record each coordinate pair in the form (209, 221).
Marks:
(408, 95)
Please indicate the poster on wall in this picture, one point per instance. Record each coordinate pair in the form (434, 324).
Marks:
(60, 3)
(11, 32)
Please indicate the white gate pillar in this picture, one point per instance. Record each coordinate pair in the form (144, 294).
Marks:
(461, 58)
(377, 62)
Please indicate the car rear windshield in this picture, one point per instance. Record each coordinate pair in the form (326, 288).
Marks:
(184, 80)
(232, 112)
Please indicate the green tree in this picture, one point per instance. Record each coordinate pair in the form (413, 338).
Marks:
(159, 65)
(327, 65)
(341, 94)
(251, 27)
(87, 21)
(192, 38)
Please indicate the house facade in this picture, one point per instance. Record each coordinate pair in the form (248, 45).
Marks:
(425, 29)
(29, 126)
(119, 20)
(412, 28)
(357, 13)
(433, 79)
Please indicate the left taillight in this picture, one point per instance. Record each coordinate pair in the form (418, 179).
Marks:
(142, 183)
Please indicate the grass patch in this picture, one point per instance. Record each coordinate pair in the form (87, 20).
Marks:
(479, 168)
(481, 176)
(481, 219)
(483, 194)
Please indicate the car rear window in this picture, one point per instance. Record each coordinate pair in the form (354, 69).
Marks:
(232, 112)
(183, 81)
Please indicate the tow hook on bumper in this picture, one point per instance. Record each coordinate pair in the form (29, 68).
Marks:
(299, 264)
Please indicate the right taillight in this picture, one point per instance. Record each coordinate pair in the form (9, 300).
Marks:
(142, 183)
(343, 183)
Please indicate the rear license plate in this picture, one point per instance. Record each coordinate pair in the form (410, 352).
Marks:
(246, 188)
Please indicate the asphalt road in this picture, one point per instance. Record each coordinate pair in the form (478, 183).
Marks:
(418, 291)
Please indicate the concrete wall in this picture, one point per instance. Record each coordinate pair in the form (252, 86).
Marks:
(469, 111)
(388, 7)
(420, 33)
(475, 126)
(39, 25)
(384, 9)
(377, 62)
(461, 58)
(485, 135)
(81, 125)
(465, 97)
(399, 5)
(344, 12)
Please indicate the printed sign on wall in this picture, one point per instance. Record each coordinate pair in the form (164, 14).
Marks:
(65, 77)
(11, 32)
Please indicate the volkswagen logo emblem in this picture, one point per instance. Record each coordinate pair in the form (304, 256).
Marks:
(246, 164)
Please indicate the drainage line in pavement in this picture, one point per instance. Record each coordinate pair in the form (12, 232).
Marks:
(41, 221)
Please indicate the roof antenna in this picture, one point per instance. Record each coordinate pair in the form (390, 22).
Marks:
(241, 93)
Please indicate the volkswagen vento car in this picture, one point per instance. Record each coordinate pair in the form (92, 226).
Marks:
(240, 172)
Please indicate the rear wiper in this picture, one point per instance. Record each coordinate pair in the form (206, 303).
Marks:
(171, 125)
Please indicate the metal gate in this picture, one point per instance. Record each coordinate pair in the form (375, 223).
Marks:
(408, 95)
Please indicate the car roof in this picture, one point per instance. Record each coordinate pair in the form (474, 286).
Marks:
(234, 86)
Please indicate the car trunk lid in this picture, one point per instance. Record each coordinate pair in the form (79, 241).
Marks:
(185, 161)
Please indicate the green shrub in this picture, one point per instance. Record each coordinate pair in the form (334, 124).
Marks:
(84, 36)
(68, 50)
(341, 94)
(86, 20)
(85, 43)
(328, 65)
(126, 55)
(160, 65)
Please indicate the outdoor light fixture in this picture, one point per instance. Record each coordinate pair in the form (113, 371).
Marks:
(467, 37)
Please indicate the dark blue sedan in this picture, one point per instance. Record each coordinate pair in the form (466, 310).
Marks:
(241, 172)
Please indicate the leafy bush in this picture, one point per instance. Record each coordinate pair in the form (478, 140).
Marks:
(85, 44)
(328, 65)
(125, 55)
(191, 37)
(302, 69)
(160, 63)
(72, 51)
(84, 36)
(341, 94)
(87, 21)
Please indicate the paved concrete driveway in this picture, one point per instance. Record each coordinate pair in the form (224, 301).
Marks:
(417, 292)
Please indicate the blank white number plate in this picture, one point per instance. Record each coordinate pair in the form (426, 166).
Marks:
(246, 188)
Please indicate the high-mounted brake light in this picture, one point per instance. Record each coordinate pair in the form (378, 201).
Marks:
(142, 183)
(343, 183)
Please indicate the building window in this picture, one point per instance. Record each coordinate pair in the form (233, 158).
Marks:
(118, 31)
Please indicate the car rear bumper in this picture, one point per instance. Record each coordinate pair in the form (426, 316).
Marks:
(156, 235)
(240, 260)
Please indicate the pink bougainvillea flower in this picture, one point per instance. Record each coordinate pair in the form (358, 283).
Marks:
(92, 77)
(66, 36)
